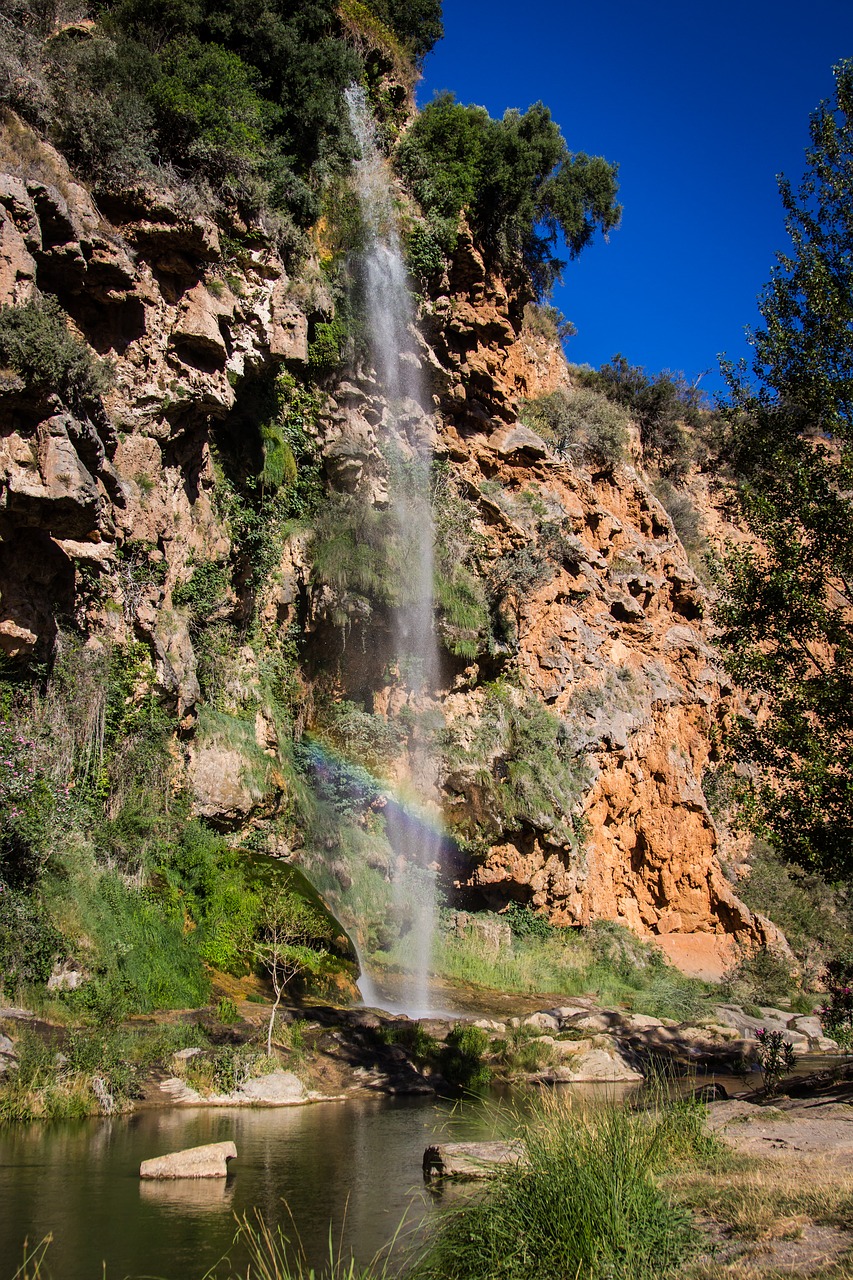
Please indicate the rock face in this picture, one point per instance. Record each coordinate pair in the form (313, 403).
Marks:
(105, 518)
(209, 1161)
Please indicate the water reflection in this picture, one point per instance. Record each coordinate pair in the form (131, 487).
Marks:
(355, 1168)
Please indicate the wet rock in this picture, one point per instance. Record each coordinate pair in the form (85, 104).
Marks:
(209, 1161)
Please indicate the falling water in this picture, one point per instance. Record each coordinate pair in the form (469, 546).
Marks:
(415, 840)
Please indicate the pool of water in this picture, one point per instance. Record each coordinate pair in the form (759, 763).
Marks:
(354, 1167)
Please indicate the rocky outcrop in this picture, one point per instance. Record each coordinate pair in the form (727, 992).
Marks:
(103, 518)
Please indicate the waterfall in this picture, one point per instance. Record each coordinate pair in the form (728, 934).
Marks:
(413, 829)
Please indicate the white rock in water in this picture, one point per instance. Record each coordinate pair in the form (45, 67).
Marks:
(472, 1159)
(209, 1161)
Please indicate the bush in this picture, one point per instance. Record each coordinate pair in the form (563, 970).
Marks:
(548, 323)
(461, 1059)
(524, 769)
(527, 923)
(682, 513)
(36, 342)
(660, 404)
(762, 978)
(29, 942)
(816, 917)
(582, 423)
(416, 22)
(209, 112)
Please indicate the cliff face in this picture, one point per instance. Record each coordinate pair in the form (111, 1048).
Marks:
(106, 514)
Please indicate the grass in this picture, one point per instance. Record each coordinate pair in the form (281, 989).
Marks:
(273, 1255)
(587, 1205)
(598, 961)
(86, 1072)
(756, 1207)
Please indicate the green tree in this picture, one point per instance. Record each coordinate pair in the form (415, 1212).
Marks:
(787, 609)
(515, 178)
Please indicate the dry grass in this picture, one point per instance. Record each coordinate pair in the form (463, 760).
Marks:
(787, 1216)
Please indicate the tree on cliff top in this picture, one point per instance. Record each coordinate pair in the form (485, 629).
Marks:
(515, 178)
(787, 610)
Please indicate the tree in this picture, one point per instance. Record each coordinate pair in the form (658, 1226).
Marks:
(285, 943)
(787, 609)
(516, 179)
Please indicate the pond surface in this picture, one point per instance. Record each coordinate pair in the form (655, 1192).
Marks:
(355, 1166)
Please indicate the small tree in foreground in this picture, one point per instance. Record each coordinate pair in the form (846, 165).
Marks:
(285, 944)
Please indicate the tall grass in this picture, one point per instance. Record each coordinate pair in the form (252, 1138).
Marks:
(598, 963)
(585, 1206)
(273, 1255)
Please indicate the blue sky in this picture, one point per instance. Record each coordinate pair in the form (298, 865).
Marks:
(701, 105)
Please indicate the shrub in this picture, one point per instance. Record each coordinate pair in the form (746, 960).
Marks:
(836, 1012)
(582, 423)
(29, 942)
(103, 119)
(548, 323)
(660, 404)
(411, 1036)
(816, 917)
(527, 923)
(204, 592)
(775, 1057)
(208, 109)
(523, 768)
(367, 739)
(416, 22)
(36, 342)
(461, 1059)
(762, 978)
(682, 513)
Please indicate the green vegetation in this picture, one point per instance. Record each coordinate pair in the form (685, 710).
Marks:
(37, 344)
(816, 917)
(583, 424)
(514, 178)
(786, 612)
(461, 1059)
(99, 863)
(237, 106)
(661, 404)
(681, 511)
(586, 1203)
(604, 960)
(523, 770)
(460, 589)
(86, 1071)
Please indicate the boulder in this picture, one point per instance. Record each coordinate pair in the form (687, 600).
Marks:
(542, 1022)
(595, 1066)
(209, 1161)
(472, 1159)
(277, 1089)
